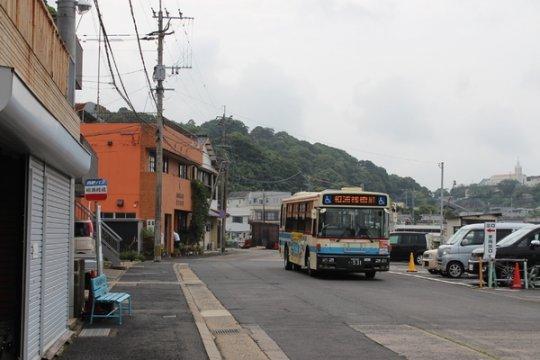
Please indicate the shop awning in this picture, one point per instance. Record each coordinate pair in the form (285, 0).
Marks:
(26, 126)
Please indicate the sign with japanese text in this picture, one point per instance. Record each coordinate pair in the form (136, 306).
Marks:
(355, 199)
(95, 189)
(490, 241)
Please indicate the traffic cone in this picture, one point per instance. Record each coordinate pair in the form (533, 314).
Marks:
(412, 266)
(516, 282)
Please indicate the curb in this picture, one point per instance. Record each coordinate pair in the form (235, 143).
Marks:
(207, 338)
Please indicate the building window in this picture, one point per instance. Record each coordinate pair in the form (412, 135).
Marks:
(237, 219)
(182, 171)
(119, 215)
(107, 215)
(165, 165)
(152, 162)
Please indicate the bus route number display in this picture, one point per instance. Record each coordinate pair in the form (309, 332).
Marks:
(355, 199)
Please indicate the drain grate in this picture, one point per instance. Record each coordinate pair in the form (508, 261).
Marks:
(95, 332)
(225, 331)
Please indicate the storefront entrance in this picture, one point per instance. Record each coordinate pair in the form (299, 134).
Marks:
(12, 200)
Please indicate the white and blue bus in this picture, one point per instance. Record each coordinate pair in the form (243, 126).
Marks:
(343, 230)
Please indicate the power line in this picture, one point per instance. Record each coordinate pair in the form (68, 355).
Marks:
(140, 51)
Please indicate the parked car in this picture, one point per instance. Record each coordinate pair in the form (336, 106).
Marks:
(85, 244)
(429, 261)
(453, 257)
(407, 242)
(522, 244)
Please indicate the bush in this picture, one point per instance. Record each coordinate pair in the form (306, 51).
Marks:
(131, 255)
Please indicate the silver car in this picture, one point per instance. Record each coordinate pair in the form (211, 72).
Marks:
(453, 256)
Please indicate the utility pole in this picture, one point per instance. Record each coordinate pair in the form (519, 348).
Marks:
(225, 164)
(412, 199)
(441, 165)
(66, 27)
(159, 76)
(264, 207)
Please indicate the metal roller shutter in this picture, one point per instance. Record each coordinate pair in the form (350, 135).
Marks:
(36, 175)
(56, 255)
(48, 236)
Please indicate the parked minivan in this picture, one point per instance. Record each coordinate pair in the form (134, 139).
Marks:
(453, 256)
(403, 243)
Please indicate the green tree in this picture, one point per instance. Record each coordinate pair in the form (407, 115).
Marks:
(200, 205)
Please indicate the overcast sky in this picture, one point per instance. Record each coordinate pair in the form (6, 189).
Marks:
(405, 84)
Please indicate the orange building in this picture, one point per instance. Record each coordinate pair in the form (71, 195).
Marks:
(126, 153)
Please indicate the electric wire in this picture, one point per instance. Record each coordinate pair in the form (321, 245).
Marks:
(140, 51)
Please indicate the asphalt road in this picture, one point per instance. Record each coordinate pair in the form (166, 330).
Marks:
(394, 316)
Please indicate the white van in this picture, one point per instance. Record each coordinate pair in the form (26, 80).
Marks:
(453, 256)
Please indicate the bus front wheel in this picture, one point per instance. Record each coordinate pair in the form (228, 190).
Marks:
(369, 274)
(286, 263)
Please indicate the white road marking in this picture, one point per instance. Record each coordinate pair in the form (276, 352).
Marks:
(431, 279)
(416, 343)
(215, 313)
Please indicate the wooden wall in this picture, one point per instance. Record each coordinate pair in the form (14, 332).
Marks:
(30, 43)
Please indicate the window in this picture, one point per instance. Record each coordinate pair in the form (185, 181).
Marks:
(502, 233)
(418, 240)
(393, 239)
(526, 242)
(237, 219)
(473, 237)
(120, 215)
(357, 223)
(107, 215)
(182, 171)
(152, 162)
(165, 165)
(271, 216)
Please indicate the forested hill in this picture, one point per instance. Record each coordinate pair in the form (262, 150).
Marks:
(265, 159)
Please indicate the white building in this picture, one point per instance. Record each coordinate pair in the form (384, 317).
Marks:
(245, 207)
(517, 175)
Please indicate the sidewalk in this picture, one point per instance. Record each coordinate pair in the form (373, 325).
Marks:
(161, 326)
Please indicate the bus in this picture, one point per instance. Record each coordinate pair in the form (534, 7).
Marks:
(335, 230)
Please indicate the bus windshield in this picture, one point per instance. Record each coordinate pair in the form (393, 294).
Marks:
(352, 223)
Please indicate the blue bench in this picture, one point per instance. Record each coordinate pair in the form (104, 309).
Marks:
(101, 295)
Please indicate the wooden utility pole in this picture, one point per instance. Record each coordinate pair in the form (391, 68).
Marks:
(159, 75)
(225, 165)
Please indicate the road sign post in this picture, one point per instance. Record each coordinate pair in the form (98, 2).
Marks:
(490, 250)
(96, 190)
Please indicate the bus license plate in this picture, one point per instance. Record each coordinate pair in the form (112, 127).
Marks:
(355, 261)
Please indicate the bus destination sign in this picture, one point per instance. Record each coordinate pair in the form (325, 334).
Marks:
(355, 199)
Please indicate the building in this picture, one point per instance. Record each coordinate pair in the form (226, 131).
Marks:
(126, 151)
(42, 155)
(246, 207)
(209, 176)
(517, 175)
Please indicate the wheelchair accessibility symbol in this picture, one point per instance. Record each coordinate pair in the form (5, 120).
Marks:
(327, 199)
(382, 201)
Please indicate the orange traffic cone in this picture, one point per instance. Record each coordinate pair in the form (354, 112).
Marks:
(516, 282)
(412, 266)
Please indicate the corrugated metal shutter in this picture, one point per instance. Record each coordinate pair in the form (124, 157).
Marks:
(48, 237)
(34, 242)
(56, 255)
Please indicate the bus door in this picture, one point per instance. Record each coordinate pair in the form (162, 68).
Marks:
(296, 247)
